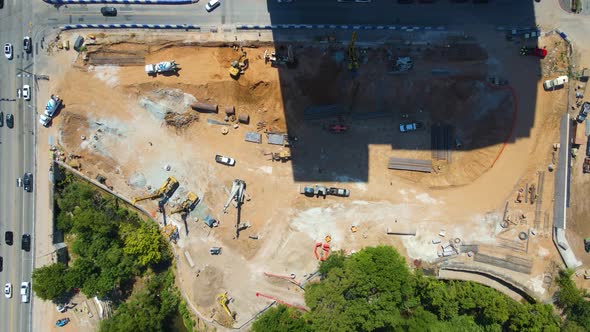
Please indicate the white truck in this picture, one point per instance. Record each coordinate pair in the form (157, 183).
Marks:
(162, 67)
(50, 108)
(558, 82)
(25, 287)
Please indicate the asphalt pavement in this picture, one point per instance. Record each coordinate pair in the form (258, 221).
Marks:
(17, 156)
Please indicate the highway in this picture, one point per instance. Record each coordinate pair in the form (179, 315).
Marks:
(17, 156)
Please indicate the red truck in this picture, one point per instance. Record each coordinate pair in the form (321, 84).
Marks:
(534, 51)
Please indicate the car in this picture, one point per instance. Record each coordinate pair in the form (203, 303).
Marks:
(555, 83)
(25, 286)
(60, 308)
(8, 237)
(44, 120)
(1, 119)
(9, 120)
(27, 44)
(225, 160)
(28, 182)
(27, 92)
(1, 4)
(407, 127)
(26, 242)
(8, 290)
(212, 4)
(584, 110)
(108, 11)
(215, 250)
(19, 182)
(1, 263)
(8, 51)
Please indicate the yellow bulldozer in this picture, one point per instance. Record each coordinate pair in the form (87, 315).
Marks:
(166, 190)
(238, 67)
(223, 300)
(189, 203)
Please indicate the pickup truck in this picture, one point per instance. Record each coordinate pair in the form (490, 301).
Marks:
(225, 160)
(338, 192)
(25, 287)
(558, 82)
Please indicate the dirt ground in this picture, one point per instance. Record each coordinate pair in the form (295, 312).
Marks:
(117, 124)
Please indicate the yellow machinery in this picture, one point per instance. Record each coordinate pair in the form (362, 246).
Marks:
(238, 67)
(167, 189)
(188, 204)
(353, 62)
(282, 156)
(170, 232)
(223, 300)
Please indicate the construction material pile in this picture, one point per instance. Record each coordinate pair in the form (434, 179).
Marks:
(180, 120)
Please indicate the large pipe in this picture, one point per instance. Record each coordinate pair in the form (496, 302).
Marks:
(230, 110)
(244, 118)
(204, 108)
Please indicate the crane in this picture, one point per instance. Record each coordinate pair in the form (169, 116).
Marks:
(236, 193)
(353, 63)
(167, 190)
(189, 203)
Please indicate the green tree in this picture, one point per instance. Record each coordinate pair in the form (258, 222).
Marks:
(371, 291)
(144, 243)
(281, 319)
(49, 281)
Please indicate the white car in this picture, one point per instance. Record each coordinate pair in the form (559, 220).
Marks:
(552, 84)
(44, 120)
(212, 4)
(25, 286)
(8, 51)
(26, 92)
(225, 160)
(8, 290)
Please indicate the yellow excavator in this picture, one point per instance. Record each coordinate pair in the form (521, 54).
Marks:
(353, 62)
(189, 203)
(170, 232)
(166, 190)
(223, 300)
(238, 66)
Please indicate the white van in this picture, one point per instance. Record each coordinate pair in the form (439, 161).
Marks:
(212, 4)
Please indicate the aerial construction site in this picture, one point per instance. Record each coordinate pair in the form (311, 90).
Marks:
(260, 158)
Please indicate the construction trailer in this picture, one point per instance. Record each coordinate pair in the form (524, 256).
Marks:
(165, 192)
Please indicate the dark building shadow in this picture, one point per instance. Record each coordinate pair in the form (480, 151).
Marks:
(455, 92)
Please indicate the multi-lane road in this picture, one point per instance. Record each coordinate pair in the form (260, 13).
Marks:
(17, 156)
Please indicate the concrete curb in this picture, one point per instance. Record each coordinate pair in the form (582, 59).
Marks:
(121, 2)
(338, 26)
(131, 26)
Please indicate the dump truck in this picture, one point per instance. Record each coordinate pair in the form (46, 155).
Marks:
(162, 67)
(316, 190)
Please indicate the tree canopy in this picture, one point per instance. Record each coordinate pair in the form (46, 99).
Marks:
(374, 290)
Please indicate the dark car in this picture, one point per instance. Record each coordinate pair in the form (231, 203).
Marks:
(27, 44)
(1, 4)
(8, 237)
(28, 182)
(10, 120)
(26, 242)
(1, 259)
(108, 11)
(584, 110)
(1, 119)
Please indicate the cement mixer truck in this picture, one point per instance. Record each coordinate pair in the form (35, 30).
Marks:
(162, 67)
